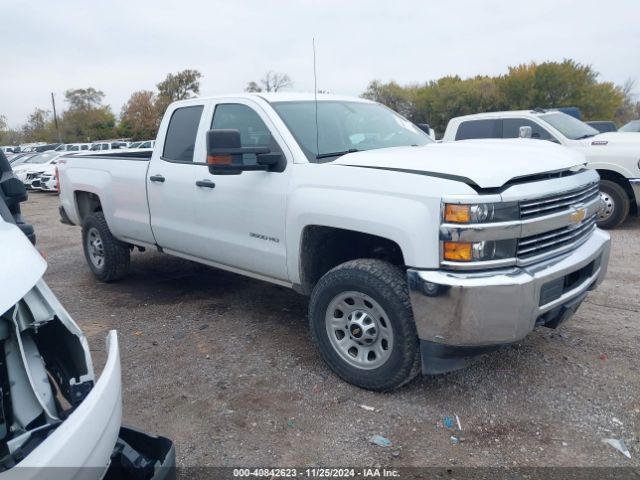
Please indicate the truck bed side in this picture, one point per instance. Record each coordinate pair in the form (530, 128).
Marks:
(115, 184)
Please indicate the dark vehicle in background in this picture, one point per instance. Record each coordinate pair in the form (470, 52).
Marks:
(603, 126)
(12, 193)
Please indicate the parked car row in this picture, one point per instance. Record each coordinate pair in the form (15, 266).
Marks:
(37, 171)
(76, 147)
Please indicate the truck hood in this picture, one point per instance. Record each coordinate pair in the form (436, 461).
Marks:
(22, 265)
(481, 163)
(614, 139)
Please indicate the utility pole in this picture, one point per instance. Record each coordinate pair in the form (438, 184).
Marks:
(55, 117)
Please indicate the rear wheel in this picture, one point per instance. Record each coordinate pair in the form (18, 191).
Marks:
(361, 319)
(107, 256)
(614, 205)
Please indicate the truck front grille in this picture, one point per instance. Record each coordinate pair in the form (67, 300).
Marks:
(556, 203)
(547, 244)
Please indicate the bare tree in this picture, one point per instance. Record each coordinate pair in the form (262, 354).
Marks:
(253, 87)
(271, 82)
(274, 81)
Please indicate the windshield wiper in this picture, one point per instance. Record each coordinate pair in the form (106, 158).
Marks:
(336, 154)
(588, 135)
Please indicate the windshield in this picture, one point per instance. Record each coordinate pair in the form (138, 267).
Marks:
(569, 126)
(632, 126)
(345, 127)
(42, 158)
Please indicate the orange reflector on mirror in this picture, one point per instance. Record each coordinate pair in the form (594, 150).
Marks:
(458, 251)
(219, 159)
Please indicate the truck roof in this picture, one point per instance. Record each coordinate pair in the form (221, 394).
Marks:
(281, 97)
(508, 113)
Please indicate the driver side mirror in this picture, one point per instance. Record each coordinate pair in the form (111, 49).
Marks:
(525, 132)
(225, 154)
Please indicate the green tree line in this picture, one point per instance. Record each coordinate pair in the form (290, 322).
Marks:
(87, 119)
(547, 85)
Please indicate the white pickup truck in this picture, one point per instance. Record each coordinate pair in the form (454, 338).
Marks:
(415, 254)
(614, 155)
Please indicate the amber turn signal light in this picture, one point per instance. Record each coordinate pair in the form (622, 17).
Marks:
(458, 251)
(457, 213)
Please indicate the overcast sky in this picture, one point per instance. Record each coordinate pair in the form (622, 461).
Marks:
(123, 46)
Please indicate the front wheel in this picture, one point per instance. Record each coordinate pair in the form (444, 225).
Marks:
(107, 256)
(361, 319)
(614, 205)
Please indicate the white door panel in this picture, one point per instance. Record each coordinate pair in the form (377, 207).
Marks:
(171, 202)
(241, 222)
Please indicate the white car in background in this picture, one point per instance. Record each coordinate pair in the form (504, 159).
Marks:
(110, 145)
(73, 147)
(32, 169)
(142, 144)
(147, 144)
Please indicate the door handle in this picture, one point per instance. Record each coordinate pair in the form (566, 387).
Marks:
(206, 184)
(156, 178)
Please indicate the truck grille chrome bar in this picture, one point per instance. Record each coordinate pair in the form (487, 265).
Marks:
(547, 244)
(546, 205)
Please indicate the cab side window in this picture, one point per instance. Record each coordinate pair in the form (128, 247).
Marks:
(478, 129)
(180, 142)
(253, 131)
(511, 129)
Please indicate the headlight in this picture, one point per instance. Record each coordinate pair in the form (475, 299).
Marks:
(479, 251)
(481, 212)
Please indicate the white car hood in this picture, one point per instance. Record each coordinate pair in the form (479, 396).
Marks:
(485, 163)
(22, 265)
(33, 167)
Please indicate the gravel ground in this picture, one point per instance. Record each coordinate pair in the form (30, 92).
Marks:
(224, 366)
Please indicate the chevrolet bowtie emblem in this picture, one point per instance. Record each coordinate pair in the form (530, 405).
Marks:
(578, 215)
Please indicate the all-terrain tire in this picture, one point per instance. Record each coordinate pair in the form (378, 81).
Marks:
(386, 285)
(113, 263)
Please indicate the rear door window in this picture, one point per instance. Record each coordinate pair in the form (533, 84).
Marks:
(180, 143)
(489, 128)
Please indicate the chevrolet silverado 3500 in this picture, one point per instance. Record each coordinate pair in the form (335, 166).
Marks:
(415, 255)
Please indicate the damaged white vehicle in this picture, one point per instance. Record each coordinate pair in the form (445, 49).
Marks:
(57, 418)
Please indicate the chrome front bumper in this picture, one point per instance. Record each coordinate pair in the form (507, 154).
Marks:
(480, 309)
